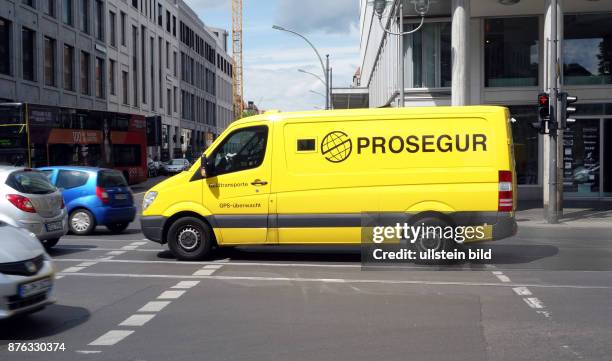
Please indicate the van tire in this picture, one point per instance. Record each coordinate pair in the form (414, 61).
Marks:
(422, 244)
(190, 239)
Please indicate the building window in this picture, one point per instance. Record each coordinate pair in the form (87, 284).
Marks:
(587, 50)
(135, 63)
(175, 99)
(160, 15)
(525, 143)
(168, 101)
(68, 67)
(99, 20)
(168, 26)
(125, 87)
(84, 73)
(512, 53)
(67, 12)
(5, 46)
(428, 56)
(135, 3)
(84, 16)
(49, 61)
(112, 18)
(28, 48)
(174, 26)
(100, 78)
(167, 55)
(48, 7)
(28, 3)
(111, 76)
(174, 63)
(123, 16)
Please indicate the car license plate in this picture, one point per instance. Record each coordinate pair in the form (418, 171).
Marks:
(121, 196)
(54, 226)
(32, 288)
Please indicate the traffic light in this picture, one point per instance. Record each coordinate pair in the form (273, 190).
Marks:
(565, 101)
(543, 113)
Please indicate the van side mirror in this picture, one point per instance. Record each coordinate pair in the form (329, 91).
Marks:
(204, 167)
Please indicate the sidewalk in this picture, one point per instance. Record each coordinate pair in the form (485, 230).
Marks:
(576, 214)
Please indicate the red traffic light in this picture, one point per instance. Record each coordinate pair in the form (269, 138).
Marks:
(543, 99)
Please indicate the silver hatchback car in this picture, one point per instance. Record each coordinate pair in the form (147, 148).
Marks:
(28, 200)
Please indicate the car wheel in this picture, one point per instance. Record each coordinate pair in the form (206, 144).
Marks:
(117, 227)
(432, 240)
(190, 239)
(49, 243)
(82, 222)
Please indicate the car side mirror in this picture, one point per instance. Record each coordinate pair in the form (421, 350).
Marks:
(204, 167)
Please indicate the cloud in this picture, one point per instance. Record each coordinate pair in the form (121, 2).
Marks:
(328, 16)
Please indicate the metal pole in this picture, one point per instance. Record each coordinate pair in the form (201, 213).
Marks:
(331, 83)
(552, 215)
(327, 81)
(401, 52)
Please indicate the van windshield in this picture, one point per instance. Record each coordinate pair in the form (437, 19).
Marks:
(30, 182)
(110, 178)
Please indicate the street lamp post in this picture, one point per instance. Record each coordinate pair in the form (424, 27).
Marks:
(323, 67)
(421, 7)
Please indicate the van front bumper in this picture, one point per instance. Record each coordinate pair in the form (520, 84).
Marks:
(153, 228)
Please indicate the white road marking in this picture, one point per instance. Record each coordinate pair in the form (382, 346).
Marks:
(497, 272)
(129, 248)
(170, 295)
(103, 249)
(115, 253)
(86, 264)
(533, 302)
(87, 351)
(339, 280)
(248, 264)
(137, 320)
(138, 244)
(58, 277)
(111, 337)
(503, 278)
(213, 266)
(204, 272)
(154, 306)
(186, 284)
(72, 269)
(522, 291)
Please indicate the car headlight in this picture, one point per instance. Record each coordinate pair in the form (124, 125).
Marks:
(148, 199)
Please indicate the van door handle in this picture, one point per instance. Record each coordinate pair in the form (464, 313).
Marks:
(259, 182)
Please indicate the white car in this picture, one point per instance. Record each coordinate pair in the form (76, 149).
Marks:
(26, 273)
(176, 166)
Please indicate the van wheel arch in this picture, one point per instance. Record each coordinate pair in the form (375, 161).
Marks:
(415, 218)
(180, 215)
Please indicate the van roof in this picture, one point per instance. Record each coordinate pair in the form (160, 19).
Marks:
(280, 116)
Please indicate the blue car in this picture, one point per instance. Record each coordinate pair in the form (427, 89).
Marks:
(93, 196)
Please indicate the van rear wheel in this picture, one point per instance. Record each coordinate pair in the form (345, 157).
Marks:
(190, 239)
(431, 238)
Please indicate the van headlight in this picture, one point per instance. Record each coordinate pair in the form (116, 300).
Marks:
(148, 199)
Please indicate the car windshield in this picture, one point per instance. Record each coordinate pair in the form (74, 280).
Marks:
(110, 178)
(177, 162)
(30, 182)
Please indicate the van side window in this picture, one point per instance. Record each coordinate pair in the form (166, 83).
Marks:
(305, 145)
(243, 149)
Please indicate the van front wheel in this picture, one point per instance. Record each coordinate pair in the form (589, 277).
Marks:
(190, 239)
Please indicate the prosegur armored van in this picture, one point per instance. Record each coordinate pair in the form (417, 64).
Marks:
(308, 178)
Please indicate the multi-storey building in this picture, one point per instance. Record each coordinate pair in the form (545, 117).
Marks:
(129, 56)
(500, 61)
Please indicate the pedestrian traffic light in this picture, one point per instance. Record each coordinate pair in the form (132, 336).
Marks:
(543, 113)
(566, 100)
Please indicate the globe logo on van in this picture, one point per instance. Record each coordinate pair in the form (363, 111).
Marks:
(336, 146)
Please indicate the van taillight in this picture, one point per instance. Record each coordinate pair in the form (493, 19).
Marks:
(102, 195)
(21, 202)
(505, 191)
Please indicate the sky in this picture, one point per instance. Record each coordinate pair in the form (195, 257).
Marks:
(272, 58)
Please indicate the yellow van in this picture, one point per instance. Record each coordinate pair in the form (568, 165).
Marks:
(309, 177)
